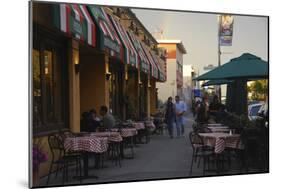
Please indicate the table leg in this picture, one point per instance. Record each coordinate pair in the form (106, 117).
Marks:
(86, 175)
(130, 141)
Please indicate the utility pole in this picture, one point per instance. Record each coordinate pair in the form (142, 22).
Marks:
(219, 54)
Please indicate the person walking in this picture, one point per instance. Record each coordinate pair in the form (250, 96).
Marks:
(170, 116)
(180, 110)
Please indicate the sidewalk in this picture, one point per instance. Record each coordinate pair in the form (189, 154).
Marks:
(162, 157)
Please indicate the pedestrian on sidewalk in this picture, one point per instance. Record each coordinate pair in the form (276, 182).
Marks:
(170, 116)
(180, 110)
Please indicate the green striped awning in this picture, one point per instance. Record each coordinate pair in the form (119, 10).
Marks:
(76, 22)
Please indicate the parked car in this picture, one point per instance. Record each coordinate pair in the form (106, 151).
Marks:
(253, 110)
(263, 111)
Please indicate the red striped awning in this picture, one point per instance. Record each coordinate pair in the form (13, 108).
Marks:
(144, 62)
(108, 36)
(160, 66)
(131, 56)
(76, 22)
(154, 70)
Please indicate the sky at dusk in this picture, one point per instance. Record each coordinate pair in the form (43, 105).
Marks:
(199, 34)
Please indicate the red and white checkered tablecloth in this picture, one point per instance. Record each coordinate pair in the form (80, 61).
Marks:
(150, 125)
(138, 125)
(127, 132)
(222, 129)
(214, 125)
(112, 136)
(86, 144)
(221, 140)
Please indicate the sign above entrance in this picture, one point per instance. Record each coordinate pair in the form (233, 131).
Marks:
(153, 68)
(108, 38)
(75, 21)
(144, 63)
(131, 56)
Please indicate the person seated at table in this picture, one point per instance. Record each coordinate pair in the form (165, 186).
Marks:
(108, 120)
(90, 121)
(202, 110)
(214, 108)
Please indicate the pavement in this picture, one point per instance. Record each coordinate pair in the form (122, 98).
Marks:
(161, 158)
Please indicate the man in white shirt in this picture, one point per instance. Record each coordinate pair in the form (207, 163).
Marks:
(180, 110)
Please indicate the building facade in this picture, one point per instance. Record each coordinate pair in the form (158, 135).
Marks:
(187, 83)
(86, 56)
(174, 81)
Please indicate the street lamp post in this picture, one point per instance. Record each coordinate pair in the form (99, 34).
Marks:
(219, 54)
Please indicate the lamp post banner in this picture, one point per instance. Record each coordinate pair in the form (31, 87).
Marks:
(226, 30)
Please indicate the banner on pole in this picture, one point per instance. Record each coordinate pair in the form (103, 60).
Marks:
(226, 30)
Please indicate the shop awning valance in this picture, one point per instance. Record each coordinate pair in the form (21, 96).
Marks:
(247, 66)
(130, 54)
(108, 38)
(76, 22)
(153, 68)
(217, 82)
(160, 68)
(144, 62)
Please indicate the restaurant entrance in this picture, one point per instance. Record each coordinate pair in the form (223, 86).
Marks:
(116, 83)
(143, 96)
(132, 93)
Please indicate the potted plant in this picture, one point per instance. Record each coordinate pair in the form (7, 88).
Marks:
(38, 157)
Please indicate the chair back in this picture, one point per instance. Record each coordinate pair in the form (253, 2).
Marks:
(206, 130)
(56, 145)
(195, 140)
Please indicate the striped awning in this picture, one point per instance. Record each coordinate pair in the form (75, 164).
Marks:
(108, 37)
(153, 68)
(157, 64)
(144, 62)
(76, 22)
(131, 55)
(161, 69)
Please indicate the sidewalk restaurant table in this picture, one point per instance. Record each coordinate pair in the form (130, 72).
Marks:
(214, 124)
(221, 129)
(86, 144)
(112, 136)
(127, 134)
(221, 140)
(138, 125)
(150, 125)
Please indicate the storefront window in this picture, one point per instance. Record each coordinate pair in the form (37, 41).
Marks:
(37, 119)
(49, 85)
(49, 88)
(116, 85)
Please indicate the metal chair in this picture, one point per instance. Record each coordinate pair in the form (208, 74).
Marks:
(199, 150)
(114, 152)
(61, 158)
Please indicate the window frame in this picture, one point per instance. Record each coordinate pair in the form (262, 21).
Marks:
(43, 40)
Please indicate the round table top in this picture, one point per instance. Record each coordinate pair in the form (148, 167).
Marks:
(86, 143)
(219, 135)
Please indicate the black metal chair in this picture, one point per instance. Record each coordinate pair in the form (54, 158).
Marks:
(115, 152)
(200, 128)
(199, 150)
(61, 158)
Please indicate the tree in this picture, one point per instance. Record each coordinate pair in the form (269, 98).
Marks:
(258, 89)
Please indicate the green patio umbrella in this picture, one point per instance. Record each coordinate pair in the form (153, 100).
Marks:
(247, 66)
(217, 82)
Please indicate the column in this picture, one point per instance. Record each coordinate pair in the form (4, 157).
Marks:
(74, 88)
